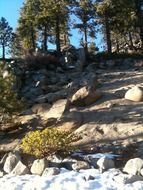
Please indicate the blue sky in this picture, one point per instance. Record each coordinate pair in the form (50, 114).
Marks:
(10, 9)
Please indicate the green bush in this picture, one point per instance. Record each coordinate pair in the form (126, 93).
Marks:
(49, 142)
(10, 106)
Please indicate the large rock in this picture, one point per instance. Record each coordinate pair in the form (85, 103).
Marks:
(39, 166)
(85, 96)
(58, 109)
(89, 80)
(52, 97)
(20, 169)
(134, 94)
(133, 166)
(105, 163)
(11, 162)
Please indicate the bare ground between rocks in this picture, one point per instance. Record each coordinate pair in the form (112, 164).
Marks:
(112, 119)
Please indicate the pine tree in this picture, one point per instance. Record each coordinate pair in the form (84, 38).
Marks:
(5, 35)
(27, 24)
(85, 12)
(10, 105)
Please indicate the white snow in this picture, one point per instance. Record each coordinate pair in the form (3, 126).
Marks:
(68, 180)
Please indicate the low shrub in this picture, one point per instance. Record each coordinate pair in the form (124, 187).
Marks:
(40, 61)
(49, 142)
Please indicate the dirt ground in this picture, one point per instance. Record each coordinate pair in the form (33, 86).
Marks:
(112, 120)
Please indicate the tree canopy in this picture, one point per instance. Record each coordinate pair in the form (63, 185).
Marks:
(50, 21)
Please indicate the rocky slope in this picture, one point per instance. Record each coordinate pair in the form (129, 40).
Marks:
(91, 103)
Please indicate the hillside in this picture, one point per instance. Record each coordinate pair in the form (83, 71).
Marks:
(110, 121)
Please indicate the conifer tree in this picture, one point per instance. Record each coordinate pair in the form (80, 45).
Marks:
(5, 35)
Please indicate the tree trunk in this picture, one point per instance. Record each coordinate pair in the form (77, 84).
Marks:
(65, 39)
(85, 39)
(131, 40)
(58, 46)
(33, 39)
(117, 45)
(108, 34)
(45, 47)
(141, 36)
(139, 13)
(3, 51)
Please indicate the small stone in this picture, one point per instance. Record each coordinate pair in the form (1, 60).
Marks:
(2, 173)
(11, 162)
(105, 163)
(20, 169)
(79, 165)
(90, 177)
(39, 166)
(51, 171)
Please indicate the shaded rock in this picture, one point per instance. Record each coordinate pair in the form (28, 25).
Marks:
(51, 97)
(133, 166)
(134, 94)
(91, 160)
(54, 161)
(126, 179)
(85, 97)
(68, 163)
(105, 163)
(141, 172)
(39, 166)
(51, 171)
(133, 179)
(20, 169)
(92, 67)
(11, 162)
(3, 159)
(79, 165)
(110, 63)
(51, 88)
(41, 108)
